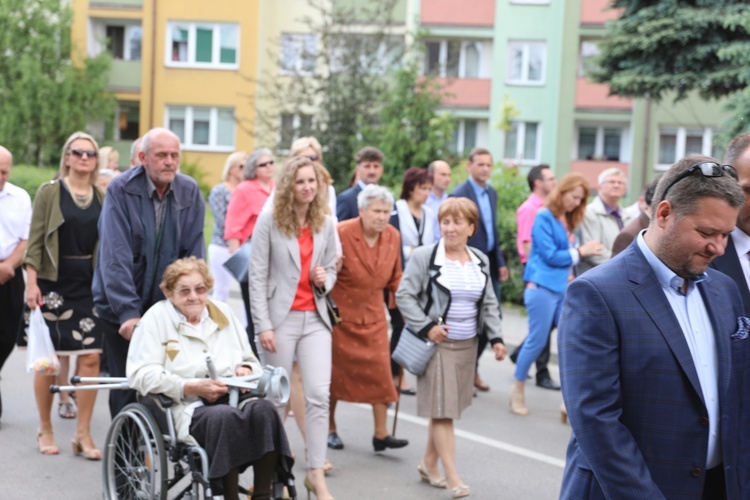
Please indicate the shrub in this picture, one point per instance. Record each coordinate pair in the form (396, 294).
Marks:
(30, 177)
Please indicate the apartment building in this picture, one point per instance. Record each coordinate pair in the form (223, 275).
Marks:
(186, 65)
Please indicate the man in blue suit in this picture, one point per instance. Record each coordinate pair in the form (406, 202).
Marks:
(369, 170)
(486, 239)
(651, 345)
(735, 262)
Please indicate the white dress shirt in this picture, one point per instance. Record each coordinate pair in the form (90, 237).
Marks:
(742, 245)
(15, 207)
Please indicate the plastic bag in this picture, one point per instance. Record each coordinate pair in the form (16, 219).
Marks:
(40, 353)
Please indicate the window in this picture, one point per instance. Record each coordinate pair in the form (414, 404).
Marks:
(200, 45)
(127, 120)
(677, 142)
(453, 58)
(202, 128)
(464, 136)
(298, 52)
(293, 126)
(600, 143)
(124, 41)
(526, 62)
(589, 50)
(522, 143)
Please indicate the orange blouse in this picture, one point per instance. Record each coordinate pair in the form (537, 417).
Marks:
(304, 300)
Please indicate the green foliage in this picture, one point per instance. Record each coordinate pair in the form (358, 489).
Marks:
(508, 114)
(30, 177)
(194, 170)
(410, 132)
(44, 97)
(512, 189)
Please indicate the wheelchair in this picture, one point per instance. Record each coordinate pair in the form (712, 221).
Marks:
(143, 458)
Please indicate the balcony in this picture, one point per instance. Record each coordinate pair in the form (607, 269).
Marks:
(598, 12)
(591, 169)
(466, 92)
(596, 96)
(125, 76)
(116, 4)
(453, 13)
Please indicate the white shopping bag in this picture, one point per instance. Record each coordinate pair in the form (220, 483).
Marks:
(40, 353)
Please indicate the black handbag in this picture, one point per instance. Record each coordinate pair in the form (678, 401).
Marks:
(333, 310)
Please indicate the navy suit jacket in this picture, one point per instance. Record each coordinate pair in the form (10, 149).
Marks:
(640, 426)
(729, 264)
(479, 240)
(346, 203)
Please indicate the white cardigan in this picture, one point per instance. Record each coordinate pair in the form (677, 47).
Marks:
(164, 352)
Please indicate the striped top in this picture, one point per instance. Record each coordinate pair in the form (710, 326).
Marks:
(466, 286)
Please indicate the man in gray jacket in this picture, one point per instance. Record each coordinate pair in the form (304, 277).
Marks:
(152, 215)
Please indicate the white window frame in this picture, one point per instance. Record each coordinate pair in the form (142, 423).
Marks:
(526, 46)
(298, 40)
(213, 124)
(520, 140)
(215, 46)
(681, 143)
(586, 49)
(599, 145)
(443, 58)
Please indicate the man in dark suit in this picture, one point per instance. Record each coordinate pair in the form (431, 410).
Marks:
(486, 239)
(735, 262)
(369, 170)
(651, 346)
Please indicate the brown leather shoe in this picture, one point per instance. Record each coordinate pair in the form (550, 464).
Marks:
(479, 383)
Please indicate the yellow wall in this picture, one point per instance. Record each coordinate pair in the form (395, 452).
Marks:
(162, 86)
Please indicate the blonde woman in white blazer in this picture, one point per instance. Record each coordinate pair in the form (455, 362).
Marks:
(292, 268)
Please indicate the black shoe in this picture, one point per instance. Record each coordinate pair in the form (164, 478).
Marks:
(548, 383)
(388, 442)
(335, 442)
(409, 392)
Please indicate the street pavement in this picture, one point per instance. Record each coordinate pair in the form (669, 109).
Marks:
(499, 455)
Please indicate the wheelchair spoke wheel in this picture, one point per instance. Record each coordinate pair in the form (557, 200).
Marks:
(135, 463)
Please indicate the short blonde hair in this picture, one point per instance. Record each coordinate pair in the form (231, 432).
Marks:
(236, 158)
(306, 142)
(183, 267)
(460, 208)
(64, 169)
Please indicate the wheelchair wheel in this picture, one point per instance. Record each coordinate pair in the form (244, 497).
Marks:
(135, 462)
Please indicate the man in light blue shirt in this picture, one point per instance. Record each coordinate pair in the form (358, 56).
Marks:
(441, 179)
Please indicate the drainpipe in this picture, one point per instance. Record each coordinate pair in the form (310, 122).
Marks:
(152, 90)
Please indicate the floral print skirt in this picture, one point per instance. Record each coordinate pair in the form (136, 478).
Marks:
(69, 310)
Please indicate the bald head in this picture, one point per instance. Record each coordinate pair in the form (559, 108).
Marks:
(6, 161)
(160, 157)
(441, 176)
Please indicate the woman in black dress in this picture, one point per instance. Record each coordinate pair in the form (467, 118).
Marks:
(59, 266)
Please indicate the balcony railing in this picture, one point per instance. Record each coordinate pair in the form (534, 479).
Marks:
(455, 13)
(116, 4)
(591, 169)
(466, 92)
(125, 76)
(596, 95)
(598, 12)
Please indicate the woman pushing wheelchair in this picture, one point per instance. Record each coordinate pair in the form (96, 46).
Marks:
(167, 355)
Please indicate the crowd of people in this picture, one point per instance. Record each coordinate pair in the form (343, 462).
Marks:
(653, 344)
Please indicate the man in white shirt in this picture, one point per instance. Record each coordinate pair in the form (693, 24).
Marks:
(15, 207)
(735, 262)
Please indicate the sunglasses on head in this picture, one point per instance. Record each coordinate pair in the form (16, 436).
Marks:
(91, 153)
(265, 164)
(312, 157)
(707, 169)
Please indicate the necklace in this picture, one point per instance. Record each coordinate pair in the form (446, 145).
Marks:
(82, 201)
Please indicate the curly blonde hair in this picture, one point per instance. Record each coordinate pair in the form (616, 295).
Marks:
(183, 267)
(283, 204)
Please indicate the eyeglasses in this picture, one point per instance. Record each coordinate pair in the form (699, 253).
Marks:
(312, 157)
(707, 168)
(185, 292)
(78, 153)
(264, 164)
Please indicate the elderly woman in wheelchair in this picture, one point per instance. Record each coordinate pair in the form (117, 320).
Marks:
(167, 355)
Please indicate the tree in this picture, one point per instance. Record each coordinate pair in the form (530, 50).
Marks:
(44, 97)
(359, 86)
(410, 132)
(665, 47)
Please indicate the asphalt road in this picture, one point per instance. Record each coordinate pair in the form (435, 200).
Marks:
(498, 454)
